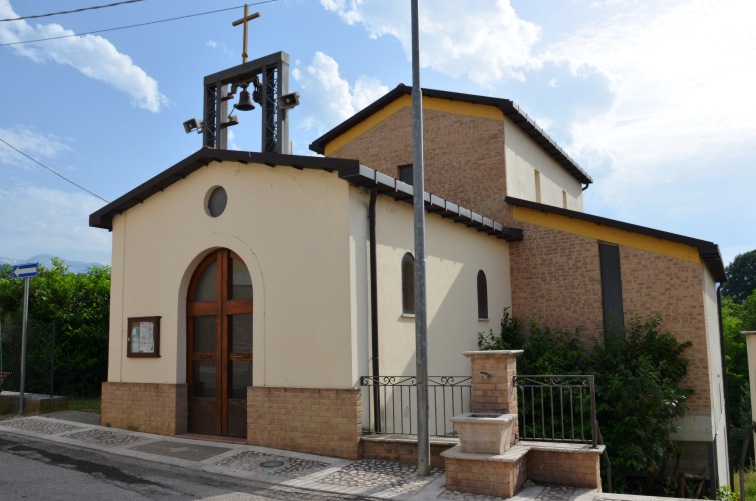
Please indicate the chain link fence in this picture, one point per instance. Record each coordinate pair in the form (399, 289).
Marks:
(40, 359)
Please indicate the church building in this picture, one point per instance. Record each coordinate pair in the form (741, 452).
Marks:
(251, 291)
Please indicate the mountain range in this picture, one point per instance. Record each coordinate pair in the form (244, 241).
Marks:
(46, 261)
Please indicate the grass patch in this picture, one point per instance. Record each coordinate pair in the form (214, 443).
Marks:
(84, 404)
(750, 485)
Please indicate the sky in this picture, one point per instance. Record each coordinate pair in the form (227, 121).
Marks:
(655, 100)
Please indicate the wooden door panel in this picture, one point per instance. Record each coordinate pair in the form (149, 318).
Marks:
(219, 346)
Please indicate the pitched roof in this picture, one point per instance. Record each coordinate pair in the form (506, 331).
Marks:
(348, 170)
(708, 251)
(508, 107)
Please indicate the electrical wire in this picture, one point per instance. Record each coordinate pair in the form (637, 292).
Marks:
(57, 174)
(134, 25)
(70, 11)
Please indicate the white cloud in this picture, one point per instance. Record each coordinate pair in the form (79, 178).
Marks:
(485, 41)
(48, 221)
(214, 44)
(27, 139)
(680, 77)
(330, 98)
(92, 55)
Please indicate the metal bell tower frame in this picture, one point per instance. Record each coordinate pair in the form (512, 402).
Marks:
(272, 72)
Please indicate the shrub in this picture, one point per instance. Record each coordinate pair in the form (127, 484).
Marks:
(639, 394)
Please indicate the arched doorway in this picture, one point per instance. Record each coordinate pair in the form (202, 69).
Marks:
(219, 345)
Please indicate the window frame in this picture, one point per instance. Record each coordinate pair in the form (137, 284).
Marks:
(482, 290)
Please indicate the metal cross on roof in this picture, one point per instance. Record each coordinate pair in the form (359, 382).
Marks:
(247, 17)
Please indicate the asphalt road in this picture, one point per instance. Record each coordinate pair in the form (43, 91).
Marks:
(35, 470)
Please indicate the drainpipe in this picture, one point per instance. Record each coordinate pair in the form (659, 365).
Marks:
(374, 312)
(724, 382)
(585, 187)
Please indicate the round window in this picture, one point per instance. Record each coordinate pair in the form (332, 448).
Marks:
(216, 201)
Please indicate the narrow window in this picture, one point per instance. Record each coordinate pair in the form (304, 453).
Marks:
(482, 296)
(405, 174)
(408, 284)
(564, 199)
(611, 288)
(537, 176)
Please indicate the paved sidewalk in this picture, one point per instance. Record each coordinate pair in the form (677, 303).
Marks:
(344, 479)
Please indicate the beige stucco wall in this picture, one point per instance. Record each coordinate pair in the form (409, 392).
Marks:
(455, 254)
(523, 158)
(290, 227)
(304, 236)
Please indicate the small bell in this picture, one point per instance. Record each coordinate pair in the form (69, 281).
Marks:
(245, 101)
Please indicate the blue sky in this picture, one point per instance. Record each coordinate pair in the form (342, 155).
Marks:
(655, 100)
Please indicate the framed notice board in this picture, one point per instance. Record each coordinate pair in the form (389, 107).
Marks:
(143, 339)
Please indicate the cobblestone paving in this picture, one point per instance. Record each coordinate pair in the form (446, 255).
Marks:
(105, 437)
(557, 493)
(393, 478)
(41, 426)
(549, 493)
(290, 467)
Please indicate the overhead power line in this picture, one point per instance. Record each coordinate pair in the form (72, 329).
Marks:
(70, 11)
(134, 25)
(57, 174)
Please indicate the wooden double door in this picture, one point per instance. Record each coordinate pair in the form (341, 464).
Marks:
(219, 345)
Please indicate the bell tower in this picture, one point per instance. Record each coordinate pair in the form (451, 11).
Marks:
(268, 77)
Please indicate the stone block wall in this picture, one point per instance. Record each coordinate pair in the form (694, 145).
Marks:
(147, 407)
(312, 420)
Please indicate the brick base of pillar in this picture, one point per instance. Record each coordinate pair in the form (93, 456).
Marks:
(500, 476)
(312, 420)
(147, 407)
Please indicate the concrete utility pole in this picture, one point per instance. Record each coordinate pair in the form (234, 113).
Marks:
(421, 321)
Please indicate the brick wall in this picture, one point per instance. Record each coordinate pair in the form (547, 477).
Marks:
(312, 420)
(147, 407)
(556, 280)
(402, 451)
(653, 283)
(463, 156)
(564, 468)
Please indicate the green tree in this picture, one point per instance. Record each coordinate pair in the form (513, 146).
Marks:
(741, 276)
(738, 317)
(79, 305)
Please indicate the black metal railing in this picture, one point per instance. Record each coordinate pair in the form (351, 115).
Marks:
(557, 408)
(392, 403)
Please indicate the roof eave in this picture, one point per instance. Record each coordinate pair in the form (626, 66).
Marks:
(707, 251)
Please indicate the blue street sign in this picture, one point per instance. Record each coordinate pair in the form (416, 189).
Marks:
(28, 270)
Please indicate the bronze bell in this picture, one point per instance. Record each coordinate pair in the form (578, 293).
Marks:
(245, 101)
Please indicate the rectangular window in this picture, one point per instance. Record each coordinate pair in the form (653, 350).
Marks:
(564, 199)
(537, 176)
(611, 288)
(405, 174)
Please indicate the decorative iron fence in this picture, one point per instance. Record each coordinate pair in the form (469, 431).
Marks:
(392, 403)
(557, 408)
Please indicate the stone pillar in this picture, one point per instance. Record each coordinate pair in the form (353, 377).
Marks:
(492, 377)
